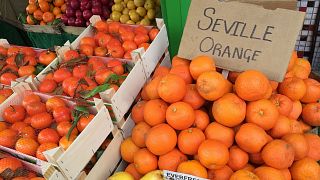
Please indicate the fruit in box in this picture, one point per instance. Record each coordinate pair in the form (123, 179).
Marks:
(259, 129)
(32, 127)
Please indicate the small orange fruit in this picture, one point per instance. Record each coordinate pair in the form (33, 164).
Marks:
(194, 168)
(201, 64)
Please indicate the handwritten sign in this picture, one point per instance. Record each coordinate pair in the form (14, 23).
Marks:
(241, 36)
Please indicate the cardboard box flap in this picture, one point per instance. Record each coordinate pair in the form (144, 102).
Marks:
(241, 36)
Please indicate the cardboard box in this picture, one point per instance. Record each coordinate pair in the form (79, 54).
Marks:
(242, 36)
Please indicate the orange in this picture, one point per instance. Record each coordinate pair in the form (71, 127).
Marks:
(17, 126)
(176, 61)
(137, 112)
(65, 142)
(193, 167)
(30, 20)
(281, 128)
(189, 140)
(265, 173)
(283, 103)
(245, 140)
(183, 72)
(155, 112)
(8, 138)
(312, 94)
(201, 64)
(262, 113)
(56, 11)
(101, 26)
(295, 126)
(305, 169)
(152, 88)
(211, 85)
(292, 61)
(127, 150)
(31, 8)
(48, 135)
(27, 146)
(251, 85)
(274, 85)
(131, 169)
(296, 110)
(171, 160)
(299, 144)
(278, 154)
(44, 6)
(314, 146)
(161, 71)
(294, 88)
(172, 88)
(223, 173)
(221, 133)
(180, 115)
(201, 120)
(10, 163)
(229, 110)
(237, 158)
(38, 14)
(244, 175)
(145, 161)
(286, 173)
(311, 114)
(44, 147)
(248, 167)
(193, 97)
(213, 154)
(139, 132)
(161, 135)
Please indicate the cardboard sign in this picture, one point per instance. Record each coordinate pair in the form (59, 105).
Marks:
(241, 36)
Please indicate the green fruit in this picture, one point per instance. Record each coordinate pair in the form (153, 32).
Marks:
(132, 12)
(130, 5)
(145, 22)
(113, 8)
(118, 7)
(125, 1)
(138, 23)
(115, 16)
(154, 175)
(149, 4)
(151, 14)
(117, 1)
(124, 18)
(130, 22)
(141, 11)
(124, 4)
(135, 17)
(125, 11)
(139, 3)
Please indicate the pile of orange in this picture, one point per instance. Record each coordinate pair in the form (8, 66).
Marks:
(35, 126)
(193, 120)
(115, 40)
(15, 170)
(22, 61)
(44, 11)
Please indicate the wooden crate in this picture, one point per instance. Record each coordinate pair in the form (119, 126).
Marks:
(72, 161)
(144, 63)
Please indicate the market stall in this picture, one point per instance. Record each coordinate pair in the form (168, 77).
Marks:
(107, 89)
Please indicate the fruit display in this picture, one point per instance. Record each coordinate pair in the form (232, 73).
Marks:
(193, 120)
(141, 12)
(45, 12)
(22, 61)
(39, 124)
(78, 12)
(112, 39)
(13, 168)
